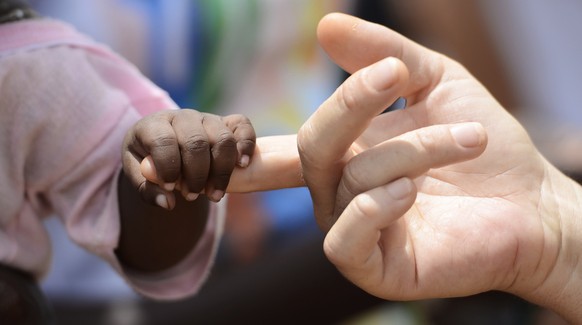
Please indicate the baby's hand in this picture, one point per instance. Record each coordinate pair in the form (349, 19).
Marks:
(191, 152)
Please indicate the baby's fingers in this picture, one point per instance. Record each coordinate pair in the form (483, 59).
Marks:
(223, 155)
(151, 188)
(153, 193)
(158, 139)
(152, 136)
(244, 135)
(194, 145)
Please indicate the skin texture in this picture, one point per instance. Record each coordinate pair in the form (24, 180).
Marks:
(407, 217)
(447, 197)
(275, 164)
(192, 150)
(184, 154)
(196, 150)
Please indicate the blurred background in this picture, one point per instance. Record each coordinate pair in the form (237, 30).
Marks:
(260, 58)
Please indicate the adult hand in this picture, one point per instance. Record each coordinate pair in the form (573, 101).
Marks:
(418, 222)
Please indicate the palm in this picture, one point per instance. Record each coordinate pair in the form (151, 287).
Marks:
(444, 240)
(462, 209)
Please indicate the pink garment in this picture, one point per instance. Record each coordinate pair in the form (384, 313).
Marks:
(66, 103)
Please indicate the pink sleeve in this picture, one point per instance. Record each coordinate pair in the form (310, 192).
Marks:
(65, 109)
(99, 231)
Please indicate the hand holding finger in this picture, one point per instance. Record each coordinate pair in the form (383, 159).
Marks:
(275, 165)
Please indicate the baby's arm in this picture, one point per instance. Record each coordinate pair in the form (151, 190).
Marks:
(194, 152)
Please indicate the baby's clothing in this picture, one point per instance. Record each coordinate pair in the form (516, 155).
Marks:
(65, 104)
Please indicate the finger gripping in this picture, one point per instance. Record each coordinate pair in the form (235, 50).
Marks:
(196, 145)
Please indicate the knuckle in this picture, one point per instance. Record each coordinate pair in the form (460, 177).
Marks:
(353, 92)
(247, 143)
(352, 180)
(237, 121)
(346, 96)
(332, 251)
(240, 119)
(163, 141)
(226, 141)
(310, 153)
(365, 207)
(427, 142)
(196, 144)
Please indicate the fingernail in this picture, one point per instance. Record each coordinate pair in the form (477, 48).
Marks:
(400, 188)
(191, 196)
(467, 135)
(162, 201)
(216, 195)
(382, 75)
(244, 161)
(169, 186)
